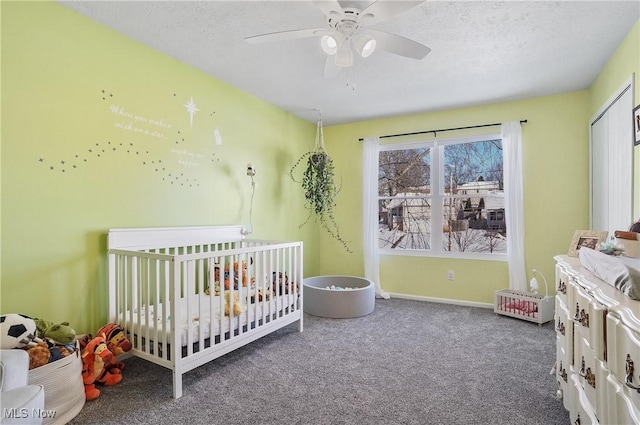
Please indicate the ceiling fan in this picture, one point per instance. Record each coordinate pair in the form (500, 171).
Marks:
(348, 30)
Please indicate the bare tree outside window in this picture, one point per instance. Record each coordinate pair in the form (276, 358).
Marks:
(471, 197)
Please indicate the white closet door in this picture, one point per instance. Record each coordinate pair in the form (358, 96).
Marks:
(621, 163)
(612, 164)
(599, 167)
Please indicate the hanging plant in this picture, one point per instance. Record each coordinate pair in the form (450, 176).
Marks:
(320, 189)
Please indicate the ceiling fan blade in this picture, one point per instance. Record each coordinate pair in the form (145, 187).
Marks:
(381, 10)
(330, 67)
(330, 8)
(286, 35)
(399, 45)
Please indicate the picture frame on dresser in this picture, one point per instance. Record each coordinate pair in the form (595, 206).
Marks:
(636, 125)
(586, 238)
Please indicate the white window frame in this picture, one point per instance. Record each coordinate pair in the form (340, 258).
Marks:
(438, 196)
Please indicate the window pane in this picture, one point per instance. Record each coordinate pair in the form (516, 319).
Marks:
(474, 167)
(474, 224)
(404, 172)
(404, 223)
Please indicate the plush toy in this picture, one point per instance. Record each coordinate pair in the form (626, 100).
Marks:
(94, 357)
(227, 276)
(61, 333)
(282, 280)
(237, 308)
(216, 281)
(44, 352)
(17, 331)
(236, 273)
(38, 355)
(58, 352)
(117, 343)
(261, 296)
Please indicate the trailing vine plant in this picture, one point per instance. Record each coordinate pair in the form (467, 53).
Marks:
(320, 189)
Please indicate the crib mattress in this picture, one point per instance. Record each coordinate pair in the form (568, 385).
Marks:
(196, 313)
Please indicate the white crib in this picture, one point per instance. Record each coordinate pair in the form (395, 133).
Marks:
(168, 288)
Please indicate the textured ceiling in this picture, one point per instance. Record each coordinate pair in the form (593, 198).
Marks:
(482, 51)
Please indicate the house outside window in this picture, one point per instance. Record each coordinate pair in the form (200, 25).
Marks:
(443, 198)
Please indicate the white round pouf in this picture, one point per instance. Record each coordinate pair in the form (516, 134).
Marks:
(338, 304)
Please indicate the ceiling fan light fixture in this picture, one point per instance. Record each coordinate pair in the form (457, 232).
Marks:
(365, 45)
(344, 57)
(329, 44)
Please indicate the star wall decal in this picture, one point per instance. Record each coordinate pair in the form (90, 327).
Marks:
(191, 107)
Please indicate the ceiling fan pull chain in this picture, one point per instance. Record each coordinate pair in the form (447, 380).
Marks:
(351, 83)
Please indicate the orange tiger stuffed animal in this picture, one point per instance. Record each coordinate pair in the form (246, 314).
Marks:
(94, 357)
(117, 343)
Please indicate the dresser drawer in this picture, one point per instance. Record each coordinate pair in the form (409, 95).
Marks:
(582, 413)
(589, 319)
(563, 370)
(621, 409)
(592, 374)
(569, 390)
(564, 329)
(624, 356)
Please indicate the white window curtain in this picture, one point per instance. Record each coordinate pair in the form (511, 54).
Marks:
(370, 213)
(514, 205)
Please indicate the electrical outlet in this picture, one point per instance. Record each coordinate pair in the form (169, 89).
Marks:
(450, 275)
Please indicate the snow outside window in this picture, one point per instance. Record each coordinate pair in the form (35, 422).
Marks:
(443, 198)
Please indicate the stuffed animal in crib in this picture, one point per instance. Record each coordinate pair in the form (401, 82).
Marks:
(282, 280)
(94, 357)
(61, 333)
(237, 308)
(17, 331)
(117, 343)
(216, 281)
(236, 270)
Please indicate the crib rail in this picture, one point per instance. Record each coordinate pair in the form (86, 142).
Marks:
(177, 303)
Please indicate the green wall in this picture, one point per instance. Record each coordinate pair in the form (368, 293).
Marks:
(96, 135)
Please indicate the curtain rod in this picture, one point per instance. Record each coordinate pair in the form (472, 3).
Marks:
(442, 130)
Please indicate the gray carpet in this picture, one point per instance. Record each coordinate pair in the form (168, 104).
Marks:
(409, 362)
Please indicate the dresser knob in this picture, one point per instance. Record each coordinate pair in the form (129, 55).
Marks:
(590, 377)
(562, 287)
(562, 372)
(581, 316)
(582, 372)
(628, 380)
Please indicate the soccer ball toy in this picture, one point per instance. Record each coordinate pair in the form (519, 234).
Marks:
(17, 331)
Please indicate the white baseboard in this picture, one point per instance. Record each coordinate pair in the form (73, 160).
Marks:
(441, 300)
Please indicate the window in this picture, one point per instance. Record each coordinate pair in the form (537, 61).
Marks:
(442, 198)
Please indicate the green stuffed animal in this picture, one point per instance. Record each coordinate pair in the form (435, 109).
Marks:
(59, 332)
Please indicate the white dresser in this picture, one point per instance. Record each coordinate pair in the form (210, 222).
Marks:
(598, 348)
